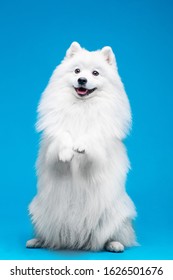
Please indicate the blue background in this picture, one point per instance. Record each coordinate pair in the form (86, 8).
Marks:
(34, 37)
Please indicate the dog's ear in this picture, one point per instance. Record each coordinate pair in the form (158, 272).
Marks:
(109, 55)
(74, 48)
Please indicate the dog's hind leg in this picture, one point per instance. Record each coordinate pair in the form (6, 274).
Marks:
(125, 237)
(34, 243)
(114, 246)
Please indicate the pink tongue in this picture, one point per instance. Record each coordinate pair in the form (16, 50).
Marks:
(82, 92)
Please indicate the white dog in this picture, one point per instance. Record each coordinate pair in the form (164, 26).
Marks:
(84, 114)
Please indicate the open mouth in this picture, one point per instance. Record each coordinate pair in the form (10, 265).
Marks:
(84, 91)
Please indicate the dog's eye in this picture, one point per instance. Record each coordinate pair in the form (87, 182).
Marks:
(95, 73)
(77, 70)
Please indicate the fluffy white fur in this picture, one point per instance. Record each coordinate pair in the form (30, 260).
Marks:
(82, 164)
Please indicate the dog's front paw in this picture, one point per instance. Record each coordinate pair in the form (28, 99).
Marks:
(66, 155)
(79, 148)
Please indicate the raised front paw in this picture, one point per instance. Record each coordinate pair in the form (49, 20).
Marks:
(79, 148)
(66, 155)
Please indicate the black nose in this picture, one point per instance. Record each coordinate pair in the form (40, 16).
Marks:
(82, 81)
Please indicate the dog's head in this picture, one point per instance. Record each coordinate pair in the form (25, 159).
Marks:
(88, 73)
